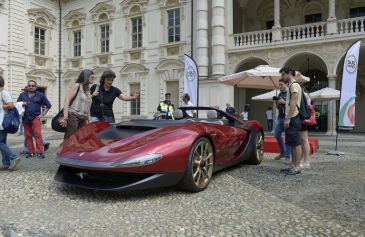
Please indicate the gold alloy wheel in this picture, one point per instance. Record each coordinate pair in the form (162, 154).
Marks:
(202, 164)
(260, 147)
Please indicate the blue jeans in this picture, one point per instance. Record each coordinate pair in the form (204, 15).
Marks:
(279, 128)
(269, 124)
(21, 127)
(7, 154)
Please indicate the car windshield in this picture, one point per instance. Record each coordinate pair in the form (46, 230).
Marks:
(204, 114)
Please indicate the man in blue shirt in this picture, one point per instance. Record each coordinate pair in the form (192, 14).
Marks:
(34, 102)
(230, 109)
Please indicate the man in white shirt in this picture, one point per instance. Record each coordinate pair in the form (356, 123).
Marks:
(269, 118)
(9, 159)
(187, 103)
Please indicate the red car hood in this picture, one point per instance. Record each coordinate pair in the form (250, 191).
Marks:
(85, 144)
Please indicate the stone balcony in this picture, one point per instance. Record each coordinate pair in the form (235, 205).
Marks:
(299, 34)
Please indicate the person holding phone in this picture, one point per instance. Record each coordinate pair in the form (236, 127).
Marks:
(280, 100)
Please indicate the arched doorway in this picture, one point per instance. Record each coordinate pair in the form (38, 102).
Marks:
(360, 90)
(314, 67)
(242, 96)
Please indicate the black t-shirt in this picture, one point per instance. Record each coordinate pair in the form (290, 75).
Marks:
(281, 107)
(107, 99)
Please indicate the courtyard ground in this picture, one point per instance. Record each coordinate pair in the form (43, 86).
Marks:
(326, 200)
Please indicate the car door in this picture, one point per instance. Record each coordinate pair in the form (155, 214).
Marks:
(229, 142)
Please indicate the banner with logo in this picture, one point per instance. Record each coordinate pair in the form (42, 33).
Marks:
(348, 91)
(191, 79)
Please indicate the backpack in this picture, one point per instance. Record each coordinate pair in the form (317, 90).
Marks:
(11, 120)
(312, 120)
(304, 110)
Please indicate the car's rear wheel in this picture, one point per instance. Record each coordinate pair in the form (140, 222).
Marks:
(258, 154)
(199, 169)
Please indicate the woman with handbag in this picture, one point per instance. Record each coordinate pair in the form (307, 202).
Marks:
(103, 96)
(77, 103)
(306, 125)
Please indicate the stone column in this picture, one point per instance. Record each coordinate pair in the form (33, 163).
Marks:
(277, 13)
(202, 37)
(332, 9)
(276, 35)
(332, 118)
(218, 38)
(331, 21)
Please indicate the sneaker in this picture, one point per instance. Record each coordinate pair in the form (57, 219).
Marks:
(46, 146)
(4, 168)
(14, 163)
(293, 172)
(23, 152)
(30, 155)
(279, 157)
(287, 161)
(286, 170)
(304, 165)
(40, 156)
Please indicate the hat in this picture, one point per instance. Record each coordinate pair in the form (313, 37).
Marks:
(25, 88)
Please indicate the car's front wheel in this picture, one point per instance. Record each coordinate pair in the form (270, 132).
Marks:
(258, 152)
(199, 168)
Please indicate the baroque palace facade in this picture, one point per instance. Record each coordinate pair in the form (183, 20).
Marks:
(143, 42)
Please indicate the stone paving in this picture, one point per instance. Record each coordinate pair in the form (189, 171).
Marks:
(327, 200)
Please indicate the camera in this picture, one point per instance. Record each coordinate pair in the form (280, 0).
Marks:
(276, 98)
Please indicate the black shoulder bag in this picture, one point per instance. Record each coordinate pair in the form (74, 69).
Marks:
(56, 119)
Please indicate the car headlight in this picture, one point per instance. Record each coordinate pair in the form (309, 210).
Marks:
(139, 161)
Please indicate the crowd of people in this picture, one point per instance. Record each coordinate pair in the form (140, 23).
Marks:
(89, 102)
(296, 148)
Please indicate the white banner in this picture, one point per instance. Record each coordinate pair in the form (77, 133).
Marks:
(348, 91)
(191, 78)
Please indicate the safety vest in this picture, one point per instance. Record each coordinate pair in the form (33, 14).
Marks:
(168, 109)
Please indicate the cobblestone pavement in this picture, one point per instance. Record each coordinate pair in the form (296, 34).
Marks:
(327, 200)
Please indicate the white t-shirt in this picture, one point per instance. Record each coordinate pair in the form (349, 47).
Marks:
(293, 88)
(189, 104)
(268, 114)
(4, 97)
(244, 116)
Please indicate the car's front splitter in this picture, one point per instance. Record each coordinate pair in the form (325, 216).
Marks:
(115, 181)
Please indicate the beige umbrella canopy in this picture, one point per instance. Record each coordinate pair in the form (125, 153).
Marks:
(325, 94)
(260, 77)
(266, 96)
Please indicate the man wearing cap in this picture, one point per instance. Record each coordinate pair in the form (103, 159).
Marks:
(166, 108)
(36, 106)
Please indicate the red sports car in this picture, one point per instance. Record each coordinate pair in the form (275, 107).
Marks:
(141, 154)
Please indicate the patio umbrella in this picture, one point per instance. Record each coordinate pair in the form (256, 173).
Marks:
(325, 94)
(260, 77)
(266, 96)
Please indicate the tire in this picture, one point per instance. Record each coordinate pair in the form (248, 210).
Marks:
(258, 153)
(199, 169)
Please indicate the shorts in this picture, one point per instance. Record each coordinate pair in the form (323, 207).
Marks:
(292, 133)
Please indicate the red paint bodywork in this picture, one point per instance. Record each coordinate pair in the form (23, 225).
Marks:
(173, 142)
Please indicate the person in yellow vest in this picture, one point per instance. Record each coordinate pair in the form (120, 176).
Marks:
(166, 108)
